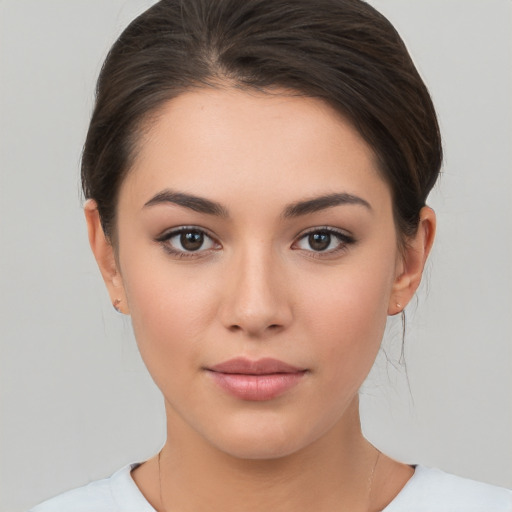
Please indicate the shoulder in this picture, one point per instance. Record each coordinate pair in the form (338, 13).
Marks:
(433, 490)
(95, 497)
(119, 492)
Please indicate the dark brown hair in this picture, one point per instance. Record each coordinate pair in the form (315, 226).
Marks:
(342, 51)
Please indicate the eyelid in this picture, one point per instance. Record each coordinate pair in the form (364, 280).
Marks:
(345, 239)
(343, 233)
(170, 233)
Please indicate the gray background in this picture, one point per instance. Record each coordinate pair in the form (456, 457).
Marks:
(76, 401)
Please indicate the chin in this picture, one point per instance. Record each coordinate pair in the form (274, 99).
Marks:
(252, 448)
(261, 440)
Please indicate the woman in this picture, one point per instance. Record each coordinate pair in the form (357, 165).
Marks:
(256, 175)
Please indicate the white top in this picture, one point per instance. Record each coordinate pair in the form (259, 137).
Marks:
(429, 490)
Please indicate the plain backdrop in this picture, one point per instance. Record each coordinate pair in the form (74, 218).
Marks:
(76, 400)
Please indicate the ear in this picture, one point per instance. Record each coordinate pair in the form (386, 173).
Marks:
(105, 257)
(412, 262)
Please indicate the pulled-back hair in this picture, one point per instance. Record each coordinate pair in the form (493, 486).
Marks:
(342, 51)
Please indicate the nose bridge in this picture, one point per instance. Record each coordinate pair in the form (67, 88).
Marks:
(255, 300)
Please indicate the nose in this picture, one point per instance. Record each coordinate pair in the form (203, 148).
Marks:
(255, 299)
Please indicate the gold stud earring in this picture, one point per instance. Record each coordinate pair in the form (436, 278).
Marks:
(116, 305)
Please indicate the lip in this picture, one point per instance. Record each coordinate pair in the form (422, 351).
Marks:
(263, 366)
(259, 380)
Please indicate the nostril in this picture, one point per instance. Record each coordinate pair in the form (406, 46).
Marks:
(272, 327)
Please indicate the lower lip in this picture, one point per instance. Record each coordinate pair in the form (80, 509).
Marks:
(257, 387)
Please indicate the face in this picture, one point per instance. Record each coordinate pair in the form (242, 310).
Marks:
(257, 256)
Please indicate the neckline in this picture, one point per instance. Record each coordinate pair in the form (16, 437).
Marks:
(132, 494)
(418, 469)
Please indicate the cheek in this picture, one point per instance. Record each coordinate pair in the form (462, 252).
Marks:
(169, 313)
(346, 312)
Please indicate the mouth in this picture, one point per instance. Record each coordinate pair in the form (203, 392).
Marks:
(260, 380)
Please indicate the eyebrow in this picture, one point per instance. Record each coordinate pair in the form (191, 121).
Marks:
(209, 207)
(317, 204)
(198, 204)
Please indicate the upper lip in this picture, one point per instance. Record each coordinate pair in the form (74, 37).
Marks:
(265, 366)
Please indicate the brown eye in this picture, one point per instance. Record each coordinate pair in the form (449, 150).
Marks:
(183, 241)
(325, 240)
(191, 240)
(319, 241)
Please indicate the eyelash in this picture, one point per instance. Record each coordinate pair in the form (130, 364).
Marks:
(343, 238)
(165, 238)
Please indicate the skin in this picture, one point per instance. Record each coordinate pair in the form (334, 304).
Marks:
(258, 288)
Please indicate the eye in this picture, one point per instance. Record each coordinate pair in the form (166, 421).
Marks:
(325, 240)
(187, 241)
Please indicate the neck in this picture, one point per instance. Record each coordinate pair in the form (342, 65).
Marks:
(332, 473)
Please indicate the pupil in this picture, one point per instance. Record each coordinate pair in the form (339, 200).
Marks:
(191, 240)
(319, 241)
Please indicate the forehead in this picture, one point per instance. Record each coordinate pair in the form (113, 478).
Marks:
(233, 143)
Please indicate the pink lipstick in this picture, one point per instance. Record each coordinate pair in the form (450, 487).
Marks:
(263, 379)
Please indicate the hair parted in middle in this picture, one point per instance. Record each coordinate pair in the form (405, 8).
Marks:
(341, 51)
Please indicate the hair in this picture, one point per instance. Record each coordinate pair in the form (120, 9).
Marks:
(341, 51)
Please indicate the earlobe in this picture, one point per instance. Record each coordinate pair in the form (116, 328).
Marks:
(105, 257)
(413, 261)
